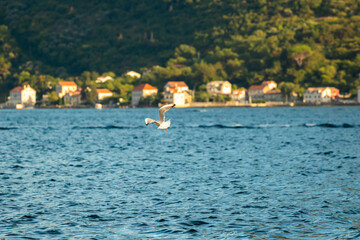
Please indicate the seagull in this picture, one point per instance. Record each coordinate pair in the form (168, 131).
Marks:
(161, 122)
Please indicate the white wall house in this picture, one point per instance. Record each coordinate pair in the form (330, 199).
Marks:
(179, 98)
(177, 92)
(257, 92)
(317, 95)
(103, 93)
(274, 95)
(358, 94)
(22, 95)
(64, 87)
(219, 87)
(239, 95)
(271, 84)
(176, 85)
(142, 91)
(73, 98)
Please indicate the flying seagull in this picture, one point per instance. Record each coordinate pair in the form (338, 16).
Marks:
(161, 122)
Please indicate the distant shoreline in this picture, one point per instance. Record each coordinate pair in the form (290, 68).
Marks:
(203, 105)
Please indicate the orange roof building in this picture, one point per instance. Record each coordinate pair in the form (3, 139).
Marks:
(16, 89)
(24, 95)
(144, 86)
(320, 94)
(64, 87)
(176, 84)
(142, 91)
(103, 90)
(177, 92)
(256, 87)
(256, 92)
(103, 93)
(239, 95)
(73, 98)
(334, 92)
(64, 83)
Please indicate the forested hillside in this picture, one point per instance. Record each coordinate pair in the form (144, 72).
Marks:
(298, 42)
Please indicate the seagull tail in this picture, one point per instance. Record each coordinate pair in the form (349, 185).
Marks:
(165, 125)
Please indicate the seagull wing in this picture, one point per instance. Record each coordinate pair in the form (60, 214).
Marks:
(149, 120)
(162, 111)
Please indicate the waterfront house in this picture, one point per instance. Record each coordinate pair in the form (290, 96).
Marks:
(142, 91)
(334, 93)
(271, 84)
(219, 87)
(24, 95)
(103, 93)
(358, 94)
(273, 96)
(256, 92)
(177, 92)
(177, 97)
(73, 98)
(63, 87)
(318, 95)
(176, 85)
(239, 95)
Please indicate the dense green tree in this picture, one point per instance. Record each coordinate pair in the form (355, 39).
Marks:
(53, 97)
(287, 88)
(152, 101)
(299, 53)
(89, 92)
(307, 43)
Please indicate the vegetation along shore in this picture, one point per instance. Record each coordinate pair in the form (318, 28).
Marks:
(298, 45)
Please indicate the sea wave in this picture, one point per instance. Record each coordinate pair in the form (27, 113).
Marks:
(212, 125)
(7, 128)
(223, 126)
(330, 125)
(261, 126)
(105, 127)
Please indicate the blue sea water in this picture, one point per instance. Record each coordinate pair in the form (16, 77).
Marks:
(218, 173)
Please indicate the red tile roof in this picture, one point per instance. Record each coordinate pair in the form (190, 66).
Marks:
(275, 91)
(17, 89)
(144, 86)
(256, 87)
(68, 84)
(76, 93)
(238, 91)
(174, 84)
(103, 90)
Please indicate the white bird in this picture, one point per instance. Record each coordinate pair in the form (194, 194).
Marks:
(161, 122)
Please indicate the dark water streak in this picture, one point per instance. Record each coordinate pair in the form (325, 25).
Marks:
(232, 173)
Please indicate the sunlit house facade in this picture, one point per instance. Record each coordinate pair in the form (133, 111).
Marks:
(177, 92)
(24, 95)
(317, 95)
(219, 87)
(64, 87)
(142, 91)
(103, 93)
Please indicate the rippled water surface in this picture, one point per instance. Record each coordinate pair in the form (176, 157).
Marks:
(218, 173)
